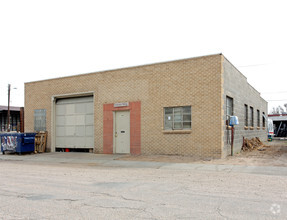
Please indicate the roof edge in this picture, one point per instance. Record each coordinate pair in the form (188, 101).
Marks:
(123, 68)
(245, 78)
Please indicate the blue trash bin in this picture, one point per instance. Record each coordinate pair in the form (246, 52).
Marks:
(17, 142)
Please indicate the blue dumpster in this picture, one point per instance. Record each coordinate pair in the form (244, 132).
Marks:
(17, 142)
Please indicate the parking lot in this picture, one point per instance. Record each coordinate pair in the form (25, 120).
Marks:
(89, 186)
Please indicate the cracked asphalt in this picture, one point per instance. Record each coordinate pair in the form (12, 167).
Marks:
(85, 186)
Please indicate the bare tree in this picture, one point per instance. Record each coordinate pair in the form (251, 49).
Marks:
(278, 109)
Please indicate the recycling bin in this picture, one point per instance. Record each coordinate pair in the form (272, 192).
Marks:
(17, 142)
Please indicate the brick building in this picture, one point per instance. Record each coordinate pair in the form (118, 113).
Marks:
(178, 107)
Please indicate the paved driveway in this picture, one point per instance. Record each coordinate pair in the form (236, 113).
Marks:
(88, 186)
(110, 160)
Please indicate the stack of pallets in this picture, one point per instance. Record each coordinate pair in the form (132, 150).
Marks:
(40, 141)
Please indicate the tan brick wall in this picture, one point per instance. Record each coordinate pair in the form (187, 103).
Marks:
(196, 82)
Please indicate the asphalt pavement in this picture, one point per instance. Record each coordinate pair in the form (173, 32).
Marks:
(113, 160)
(94, 186)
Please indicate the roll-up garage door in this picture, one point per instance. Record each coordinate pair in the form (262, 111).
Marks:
(75, 122)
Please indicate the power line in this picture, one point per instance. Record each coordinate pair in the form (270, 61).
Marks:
(273, 92)
(263, 64)
(276, 100)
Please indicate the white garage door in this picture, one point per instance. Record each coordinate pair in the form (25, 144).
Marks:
(75, 123)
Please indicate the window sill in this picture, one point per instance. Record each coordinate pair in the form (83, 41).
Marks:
(258, 128)
(176, 131)
(228, 127)
(245, 127)
(251, 128)
(263, 128)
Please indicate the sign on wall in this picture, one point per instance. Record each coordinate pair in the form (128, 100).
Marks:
(121, 104)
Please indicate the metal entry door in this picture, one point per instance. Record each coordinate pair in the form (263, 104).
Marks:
(122, 132)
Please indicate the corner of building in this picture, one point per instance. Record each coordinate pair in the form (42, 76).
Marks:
(242, 100)
(222, 110)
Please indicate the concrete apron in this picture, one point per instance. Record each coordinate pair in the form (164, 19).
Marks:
(111, 160)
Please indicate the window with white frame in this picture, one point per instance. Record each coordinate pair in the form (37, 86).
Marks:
(177, 118)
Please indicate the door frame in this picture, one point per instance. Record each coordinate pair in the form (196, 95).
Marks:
(109, 126)
(114, 129)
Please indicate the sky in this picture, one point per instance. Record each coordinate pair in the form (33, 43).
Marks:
(48, 39)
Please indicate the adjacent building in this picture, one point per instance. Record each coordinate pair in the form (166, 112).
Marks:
(279, 124)
(16, 118)
(179, 107)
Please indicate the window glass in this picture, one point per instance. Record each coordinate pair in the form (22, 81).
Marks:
(168, 118)
(168, 125)
(186, 110)
(246, 115)
(40, 120)
(168, 110)
(177, 125)
(229, 107)
(186, 125)
(186, 117)
(258, 118)
(177, 118)
(251, 117)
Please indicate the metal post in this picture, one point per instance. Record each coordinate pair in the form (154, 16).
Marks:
(232, 139)
(22, 119)
(8, 114)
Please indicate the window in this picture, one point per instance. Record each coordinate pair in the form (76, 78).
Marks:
(258, 118)
(246, 115)
(177, 118)
(251, 117)
(263, 119)
(229, 108)
(40, 120)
